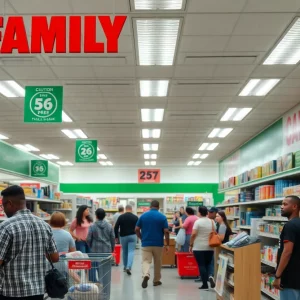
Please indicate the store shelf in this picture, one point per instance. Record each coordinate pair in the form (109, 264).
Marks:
(269, 263)
(245, 227)
(254, 202)
(62, 209)
(269, 235)
(275, 219)
(232, 218)
(230, 265)
(229, 282)
(42, 200)
(270, 294)
(265, 179)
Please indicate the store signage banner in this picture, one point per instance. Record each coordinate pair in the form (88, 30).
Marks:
(86, 151)
(291, 131)
(43, 104)
(39, 168)
(47, 32)
(194, 203)
(223, 261)
(149, 176)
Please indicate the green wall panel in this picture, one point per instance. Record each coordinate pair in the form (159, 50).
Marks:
(134, 188)
(17, 162)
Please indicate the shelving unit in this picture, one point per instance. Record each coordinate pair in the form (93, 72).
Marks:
(270, 294)
(245, 227)
(254, 202)
(269, 263)
(269, 235)
(246, 269)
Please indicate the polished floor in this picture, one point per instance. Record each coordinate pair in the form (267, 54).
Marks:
(129, 287)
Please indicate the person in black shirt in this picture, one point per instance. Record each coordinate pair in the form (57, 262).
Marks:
(288, 261)
(127, 223)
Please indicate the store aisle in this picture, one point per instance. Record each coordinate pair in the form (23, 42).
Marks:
(173, 288)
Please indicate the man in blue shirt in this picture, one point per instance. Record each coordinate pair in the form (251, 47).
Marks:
(151, 228)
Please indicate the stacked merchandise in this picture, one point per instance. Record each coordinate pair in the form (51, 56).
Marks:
(245, 196)
(235, 224)
(109, 203)
(269, 254)
(273, 211)
(280, 185)
(233, 211)
(251, 213)
(267, 285)
(264, 192)
(292, 190)
(272, 228)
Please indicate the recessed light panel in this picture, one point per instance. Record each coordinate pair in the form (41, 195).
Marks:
(3, 137)
(49, 156)
(74, 134)
(259, 87)
(151, 133)
(152, 115)
(150, 147)
(208, 146)
(154, 88)
(220, 132)
(27, 148)
(64, 163)
(235, 114)
(150, 156)
(158, 4)
(66, 118)
(11, 89)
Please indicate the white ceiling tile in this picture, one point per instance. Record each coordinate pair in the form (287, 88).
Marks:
(102, 7)
(272, 6)
(209, 6)
(115, 72)
(210, 24)
(262, 24)
(41, 7)
(145, 72)
(277, 71)
(74, 72)
(194, 71)
(203, 43)
(233, 71)
(30, 72)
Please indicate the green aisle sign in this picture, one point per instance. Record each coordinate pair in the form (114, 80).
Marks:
(43, 104)
(86, 151)
(39, 168)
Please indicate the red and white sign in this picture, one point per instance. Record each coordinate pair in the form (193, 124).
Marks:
(291, 130)
(149, 175)
(47, 32)
(35, 185)
(79, 265)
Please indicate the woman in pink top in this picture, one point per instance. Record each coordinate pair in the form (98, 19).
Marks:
(188, 226)
(81, 225)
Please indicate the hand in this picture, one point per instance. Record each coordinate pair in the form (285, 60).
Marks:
(191, 249)
(78, 239)
(277, 284)
(117, 241)
(167, 249)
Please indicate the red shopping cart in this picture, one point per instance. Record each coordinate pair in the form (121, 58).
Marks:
(186, 265)
(117, 254)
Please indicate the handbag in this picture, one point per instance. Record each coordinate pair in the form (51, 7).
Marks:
(180, 238)
(56, 283)
(214, 239)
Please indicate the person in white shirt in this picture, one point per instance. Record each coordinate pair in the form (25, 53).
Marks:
(199, 245)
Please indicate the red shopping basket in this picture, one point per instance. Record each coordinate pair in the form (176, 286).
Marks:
(187, 265)
(117, 254)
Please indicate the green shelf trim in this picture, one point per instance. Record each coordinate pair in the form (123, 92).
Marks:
(134, 188)
(265, 179)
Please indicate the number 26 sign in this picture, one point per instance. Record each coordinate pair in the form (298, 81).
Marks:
(149, 175)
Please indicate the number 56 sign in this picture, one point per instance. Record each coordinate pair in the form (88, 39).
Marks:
(149, 176)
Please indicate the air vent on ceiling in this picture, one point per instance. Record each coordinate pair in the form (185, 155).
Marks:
(110, 123)
(103, 61)
(19, 60)
(98, 84)
(220, 59)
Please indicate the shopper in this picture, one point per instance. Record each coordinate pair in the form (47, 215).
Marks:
(126, 224)
(81, 225)
(176, 222)
(151, 228)
(223, 228)
(199, 245)
(63, 239)
(25, 242)
(212, 213)
(288, 260)
(101, 239)
(183, 215)
(188, 226)
(115, 219)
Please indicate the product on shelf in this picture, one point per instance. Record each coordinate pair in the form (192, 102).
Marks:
(245, 196)
(251, 213)
(297, 159)
(288, 161)
(291, 190)
(178, 199)
(267, 284)
(273, 228)
(109, 203)
(232, 211)
(269, 253)
(40, 213)
(265, 192)
(280, 185)
(273, 211)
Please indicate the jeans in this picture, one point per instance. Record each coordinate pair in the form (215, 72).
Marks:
(128, 246)
(186, 246)
(82, 246)
(39, 297)
(203, 259)
(211, 268)
(290, 294)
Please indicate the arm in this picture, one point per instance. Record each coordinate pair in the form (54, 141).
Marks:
(138, 228)
(116, 229)
(52, 254)
(89, 238)
(72, 229)
(180, 223)
(5, 243)
(167, 234)
(222, 232)
(112, 240)
(72, 247)
(192, 240)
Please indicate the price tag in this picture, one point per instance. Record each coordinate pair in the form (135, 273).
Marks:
(43, 104)
(149, 175)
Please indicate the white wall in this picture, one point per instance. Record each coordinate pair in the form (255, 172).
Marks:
(130, 175)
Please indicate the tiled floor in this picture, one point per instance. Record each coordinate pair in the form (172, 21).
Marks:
(126, 287)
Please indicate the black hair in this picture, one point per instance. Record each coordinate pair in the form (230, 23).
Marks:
(79, 215)
(190, 211)
(203, 211)
(295, 199)
(154, 204)
(121, 209)
(14, 191)
(100, 214)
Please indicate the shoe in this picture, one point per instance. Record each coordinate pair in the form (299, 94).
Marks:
(157, 283)
(145, 282)
(128, 271)
(204, 288)
(212, 282)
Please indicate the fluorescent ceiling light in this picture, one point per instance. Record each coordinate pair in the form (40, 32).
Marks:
(109, 163)
(74, 134)
(151, 133)
(197, 163)
(150, 147)
(103, 163)
(147, 163)
(201, 156)
(98, 149)
(194, 163)
(49, 156)
(153, 163)
(101, 156)
(156, 40)
(3, 137)
(66, 118)
(208, 146)
(236, 114)
(150, 156)
(27, 148)
(158, 4)
(259, 87)
(64, 163)
(190, 163)
(11, 89)
(220, 132)
(152, 115)
(154, 88)
(287, 51)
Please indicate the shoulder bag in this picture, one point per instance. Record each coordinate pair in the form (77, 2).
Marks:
(214, 239)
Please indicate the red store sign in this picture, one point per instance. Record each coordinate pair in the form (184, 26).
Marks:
(79, 265)
(47, 32)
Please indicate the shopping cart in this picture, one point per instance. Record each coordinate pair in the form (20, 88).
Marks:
(89, 277)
